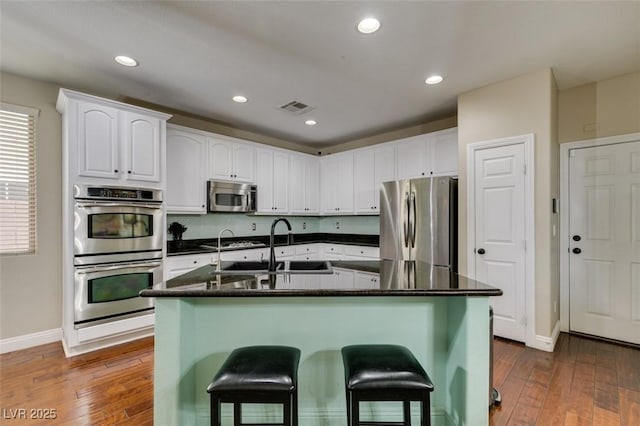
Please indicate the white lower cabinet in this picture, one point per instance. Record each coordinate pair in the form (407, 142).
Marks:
(261, 254)
(367, 280)
(340, 279)
(178, 265)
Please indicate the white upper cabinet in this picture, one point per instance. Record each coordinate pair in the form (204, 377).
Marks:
(272, 179)
(231, 161)
(413, 157)
(304, 184)
(429, 154)
(186, 171)
(444, 152)
(97, 141)
(141, 139)
(337, 183)
(372, 166)
(110, 141)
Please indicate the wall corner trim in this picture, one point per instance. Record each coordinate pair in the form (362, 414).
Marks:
(545, 343)
(30, 340)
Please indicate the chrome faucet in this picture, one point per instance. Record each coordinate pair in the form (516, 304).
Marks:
(272, 253)
(220, 245)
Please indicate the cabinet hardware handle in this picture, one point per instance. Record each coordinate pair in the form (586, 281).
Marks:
(195, 261)
(115, 171)
(129, 171)
(422, 173)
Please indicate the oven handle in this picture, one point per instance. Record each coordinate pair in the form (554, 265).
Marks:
(103, 204)
(91, 269)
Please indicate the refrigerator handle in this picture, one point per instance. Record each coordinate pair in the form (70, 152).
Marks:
(407, 221)
(413, 225)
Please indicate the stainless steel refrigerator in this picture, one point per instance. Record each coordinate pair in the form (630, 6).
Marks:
(419, 221)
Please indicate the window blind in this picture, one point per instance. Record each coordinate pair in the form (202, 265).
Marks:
(17, 179)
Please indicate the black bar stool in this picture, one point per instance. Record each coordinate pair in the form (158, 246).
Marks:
(257, 374)
(385, 373)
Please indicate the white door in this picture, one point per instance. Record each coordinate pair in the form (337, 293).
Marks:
(500, 234)
(604, 227)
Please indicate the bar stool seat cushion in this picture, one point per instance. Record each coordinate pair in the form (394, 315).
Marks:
(378, 367)
(258, 368)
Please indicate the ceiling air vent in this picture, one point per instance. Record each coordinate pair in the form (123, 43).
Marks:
(296, 107)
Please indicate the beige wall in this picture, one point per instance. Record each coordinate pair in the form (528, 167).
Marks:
(519, 106)
(30, 285)
(606, 108)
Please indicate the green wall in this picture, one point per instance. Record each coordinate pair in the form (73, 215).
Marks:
(208, 226)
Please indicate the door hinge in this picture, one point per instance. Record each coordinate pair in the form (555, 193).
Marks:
(525, 169)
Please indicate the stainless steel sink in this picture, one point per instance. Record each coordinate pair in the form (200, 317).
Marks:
(259, 268)
(246, 267)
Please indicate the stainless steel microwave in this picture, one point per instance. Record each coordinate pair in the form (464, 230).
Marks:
(231, 197)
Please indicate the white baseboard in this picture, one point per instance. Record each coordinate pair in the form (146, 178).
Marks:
(545, 343)
(30, 340)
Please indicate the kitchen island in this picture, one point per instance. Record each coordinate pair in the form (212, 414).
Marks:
(443, 318)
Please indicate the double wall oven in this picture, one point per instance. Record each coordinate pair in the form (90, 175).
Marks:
(117, 251)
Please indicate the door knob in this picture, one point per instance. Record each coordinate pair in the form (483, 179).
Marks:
(481, 251)
(576, 238)
(577, 250)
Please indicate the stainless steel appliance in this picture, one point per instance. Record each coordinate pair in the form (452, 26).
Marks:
(116, 221)
(231, 197)
(117, 251)
(419, 221)
(110, 291)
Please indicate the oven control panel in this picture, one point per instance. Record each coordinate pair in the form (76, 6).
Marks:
(116, 193)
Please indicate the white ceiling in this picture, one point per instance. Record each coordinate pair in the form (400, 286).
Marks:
(195, 55)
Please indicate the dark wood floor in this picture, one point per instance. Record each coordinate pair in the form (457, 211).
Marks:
(583, 382)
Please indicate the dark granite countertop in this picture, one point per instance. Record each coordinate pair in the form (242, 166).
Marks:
(396, 278)
(195, 246)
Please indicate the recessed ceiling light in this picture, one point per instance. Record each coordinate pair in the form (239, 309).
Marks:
(434, 79)
(240, 99)
(127, 61)
(368, 25)
(311, 122)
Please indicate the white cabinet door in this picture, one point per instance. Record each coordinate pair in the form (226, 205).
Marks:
(337, 184)
(340, 279)
(385, 170)
(264, 180)
(220, 159)
(97, 136)
(366, 280)
(297, 187)
(412, 157)
(304, 184)
(371, 168)
(280, 182)
(142, 148)
(312, 185)
(444, 152)
(363, 181)
(272, 178)
(178, 265)
(186, 172)
(231, 161)
(244, 163)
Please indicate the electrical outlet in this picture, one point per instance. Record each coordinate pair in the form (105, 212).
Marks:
(304, 225)
(337, 225)
(253, 226)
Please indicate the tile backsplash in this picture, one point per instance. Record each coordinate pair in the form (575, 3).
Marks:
(208, 226)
